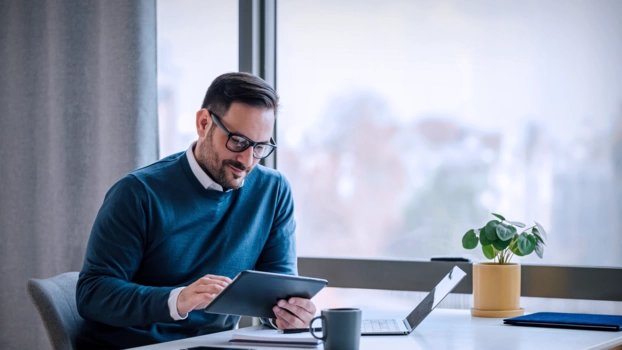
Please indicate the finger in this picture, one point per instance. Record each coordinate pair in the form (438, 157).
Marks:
(220, 283)
(294, 309)
(282, 324)
(205, 299)
(208, 288)
(205, 281)
(214, 280)
(219, 278)
(286, 316)
(297, 311)
(303, 303)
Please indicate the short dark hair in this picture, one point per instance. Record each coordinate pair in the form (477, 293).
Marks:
(239, 87)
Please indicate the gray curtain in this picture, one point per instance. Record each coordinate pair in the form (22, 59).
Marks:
(78, 110)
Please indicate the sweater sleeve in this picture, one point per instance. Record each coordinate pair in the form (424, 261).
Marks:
(105, 292)
(279, 252)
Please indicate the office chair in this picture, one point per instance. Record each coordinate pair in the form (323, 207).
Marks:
(55, 300)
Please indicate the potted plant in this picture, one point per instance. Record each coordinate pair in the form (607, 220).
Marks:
(496, 284)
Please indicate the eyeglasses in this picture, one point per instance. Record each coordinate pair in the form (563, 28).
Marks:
(239, 143)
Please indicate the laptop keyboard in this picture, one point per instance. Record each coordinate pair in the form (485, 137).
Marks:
(379, 326)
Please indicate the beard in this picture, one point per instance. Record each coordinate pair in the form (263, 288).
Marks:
(217, 168)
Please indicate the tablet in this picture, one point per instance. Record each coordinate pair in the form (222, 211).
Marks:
(567, 320)
(255, 293)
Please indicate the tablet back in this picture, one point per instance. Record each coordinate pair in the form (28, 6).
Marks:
(254, 293)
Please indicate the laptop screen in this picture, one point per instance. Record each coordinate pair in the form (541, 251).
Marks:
(446, 285)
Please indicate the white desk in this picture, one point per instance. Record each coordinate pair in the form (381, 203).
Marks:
(450, 329)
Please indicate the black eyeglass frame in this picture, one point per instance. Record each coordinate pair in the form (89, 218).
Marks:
(272, 145)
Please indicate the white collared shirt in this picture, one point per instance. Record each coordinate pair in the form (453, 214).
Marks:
(200, 174)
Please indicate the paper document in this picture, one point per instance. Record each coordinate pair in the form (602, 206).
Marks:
(273, 336)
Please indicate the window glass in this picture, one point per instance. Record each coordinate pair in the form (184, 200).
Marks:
(402, 302)
(406, 123)
(197, 41)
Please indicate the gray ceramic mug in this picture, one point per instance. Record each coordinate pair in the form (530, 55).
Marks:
(341, 329)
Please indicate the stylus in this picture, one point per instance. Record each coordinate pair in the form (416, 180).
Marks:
(301, 330)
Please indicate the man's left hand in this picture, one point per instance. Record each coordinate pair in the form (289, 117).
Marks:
(294, 313)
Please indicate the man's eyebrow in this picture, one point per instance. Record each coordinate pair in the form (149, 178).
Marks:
(240, 134)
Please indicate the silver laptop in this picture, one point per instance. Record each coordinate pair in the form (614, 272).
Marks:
(407, 325)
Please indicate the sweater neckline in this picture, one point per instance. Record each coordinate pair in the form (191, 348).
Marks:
(196, 184)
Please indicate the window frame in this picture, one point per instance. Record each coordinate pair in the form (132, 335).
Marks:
(257, 48)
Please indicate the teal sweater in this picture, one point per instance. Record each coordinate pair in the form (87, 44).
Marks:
(159, 229)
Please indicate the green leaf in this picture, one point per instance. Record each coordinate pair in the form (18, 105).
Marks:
(514, 246)
(483, 238)
(490, 230)
(516, 223)
(469, 240)
(533, 242)
(505, 232)
(488, 251)
(526, 243)
(500, 245)
(541, 230)
(536, 234)
(540, 249)
(499, 216)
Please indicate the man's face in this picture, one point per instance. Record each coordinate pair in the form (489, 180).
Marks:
(225, 167)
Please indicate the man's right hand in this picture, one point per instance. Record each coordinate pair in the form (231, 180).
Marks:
(200, 293)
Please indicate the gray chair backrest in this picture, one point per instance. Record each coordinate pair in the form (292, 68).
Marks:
(55, 299)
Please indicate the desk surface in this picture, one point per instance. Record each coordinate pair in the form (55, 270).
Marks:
(449, 329)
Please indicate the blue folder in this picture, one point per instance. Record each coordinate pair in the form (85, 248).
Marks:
(565, 320)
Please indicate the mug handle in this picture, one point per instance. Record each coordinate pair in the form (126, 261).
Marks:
(323, 338)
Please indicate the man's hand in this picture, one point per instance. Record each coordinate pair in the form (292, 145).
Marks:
(294, 313)
(199, 294)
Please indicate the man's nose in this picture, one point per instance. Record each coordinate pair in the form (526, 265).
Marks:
(246, 157)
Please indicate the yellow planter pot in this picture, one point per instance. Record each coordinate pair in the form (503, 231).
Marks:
(496, 290)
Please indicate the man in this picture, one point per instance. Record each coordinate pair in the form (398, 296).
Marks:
(170, 236)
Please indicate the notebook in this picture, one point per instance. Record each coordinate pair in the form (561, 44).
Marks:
(407, 325)
(275, 337)
(567, 320)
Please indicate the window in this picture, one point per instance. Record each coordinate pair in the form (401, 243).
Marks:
(197, 41)
(406, 123)
(404, 301)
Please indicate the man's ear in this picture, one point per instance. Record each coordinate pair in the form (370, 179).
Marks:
(203, 122)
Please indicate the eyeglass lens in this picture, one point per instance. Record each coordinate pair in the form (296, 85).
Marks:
(238, 144)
